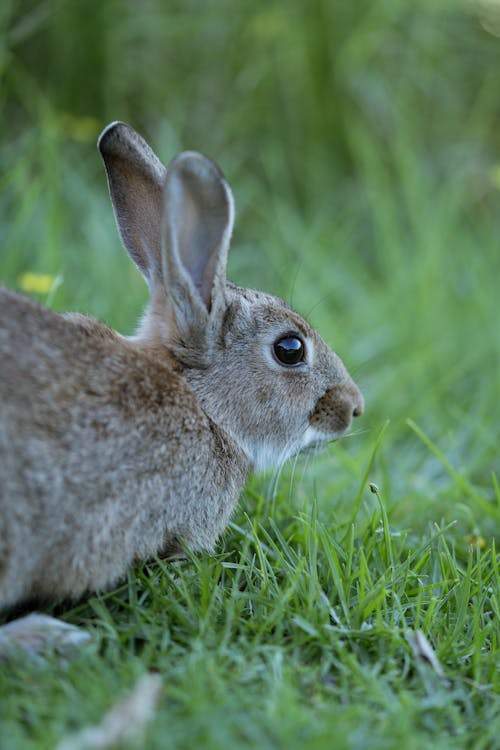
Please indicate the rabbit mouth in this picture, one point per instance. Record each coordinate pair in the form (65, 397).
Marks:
(314, 441)
(313, 449)
(319, 446)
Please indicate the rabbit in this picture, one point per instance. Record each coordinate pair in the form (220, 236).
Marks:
(117, 449)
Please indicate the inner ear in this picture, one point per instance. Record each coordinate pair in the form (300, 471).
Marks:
(199, 217)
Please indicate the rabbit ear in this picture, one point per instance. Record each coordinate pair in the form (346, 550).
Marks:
(198, 220)
(136, 178)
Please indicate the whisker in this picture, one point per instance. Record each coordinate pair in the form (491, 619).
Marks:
(317, 304)
(294, 467)
(354, 433)
(359, 368)
(307, 460)
(298, 269)
(293, 453)
(282, 459)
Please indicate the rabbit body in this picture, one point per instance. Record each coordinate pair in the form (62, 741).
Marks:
(113, 449)
(106, 453)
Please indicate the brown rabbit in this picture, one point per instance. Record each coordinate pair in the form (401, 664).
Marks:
(114, 449)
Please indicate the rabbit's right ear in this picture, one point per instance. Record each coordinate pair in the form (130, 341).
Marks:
(136, 178)
(197, 225)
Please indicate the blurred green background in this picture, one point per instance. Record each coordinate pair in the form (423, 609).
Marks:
(362, 142)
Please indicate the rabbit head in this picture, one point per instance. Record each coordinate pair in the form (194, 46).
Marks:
(258, 369)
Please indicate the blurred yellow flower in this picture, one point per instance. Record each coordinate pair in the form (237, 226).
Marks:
(38, 283)
(475, 541)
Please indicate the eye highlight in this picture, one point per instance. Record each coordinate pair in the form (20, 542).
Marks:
(289, 350)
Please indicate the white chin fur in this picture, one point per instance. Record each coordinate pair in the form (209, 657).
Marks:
(311, 436)
(267, 456)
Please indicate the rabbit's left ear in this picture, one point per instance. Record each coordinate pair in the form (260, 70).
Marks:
(136, 178)
(197, 224)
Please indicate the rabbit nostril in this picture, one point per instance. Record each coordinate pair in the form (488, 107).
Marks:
(359, 407)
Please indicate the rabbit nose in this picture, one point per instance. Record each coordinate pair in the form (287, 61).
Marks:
(353, 398)
(359, 404)
(336, 408)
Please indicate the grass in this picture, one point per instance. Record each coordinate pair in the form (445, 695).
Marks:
(297, 631)
(362, 144)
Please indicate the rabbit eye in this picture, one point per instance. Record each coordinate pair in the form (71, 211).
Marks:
(289, 350)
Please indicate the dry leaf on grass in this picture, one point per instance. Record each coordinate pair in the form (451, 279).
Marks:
(125, 722)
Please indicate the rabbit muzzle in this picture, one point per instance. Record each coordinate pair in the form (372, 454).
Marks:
(334, 411)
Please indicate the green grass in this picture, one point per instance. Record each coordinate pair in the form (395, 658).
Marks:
(362, 143)
(298, 631)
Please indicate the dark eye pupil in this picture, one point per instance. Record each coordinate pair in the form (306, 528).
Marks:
(289, 350)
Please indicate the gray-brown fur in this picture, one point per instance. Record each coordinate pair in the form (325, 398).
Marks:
(112, 449)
